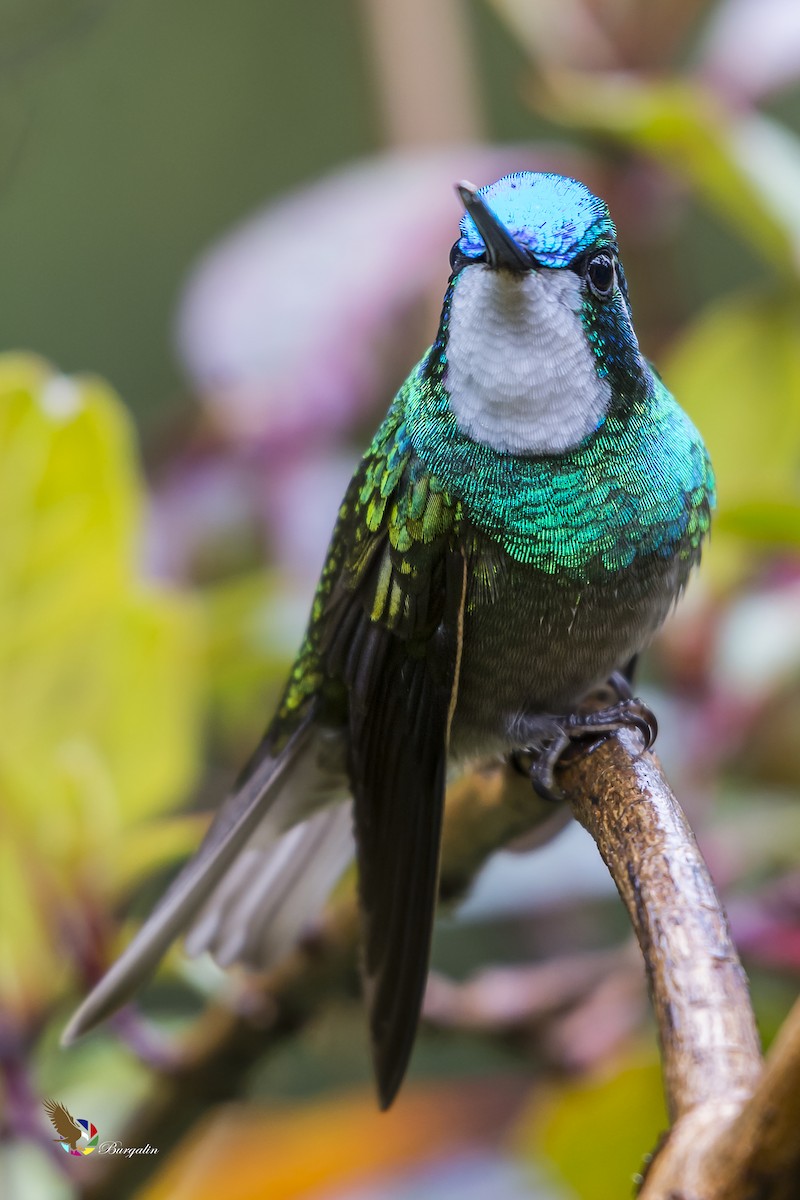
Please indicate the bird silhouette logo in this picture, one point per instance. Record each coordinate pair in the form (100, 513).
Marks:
(71, 1130)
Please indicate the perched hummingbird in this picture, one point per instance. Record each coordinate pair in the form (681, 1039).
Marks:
(522, 523)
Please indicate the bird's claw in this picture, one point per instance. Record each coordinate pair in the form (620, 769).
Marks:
(627, 713)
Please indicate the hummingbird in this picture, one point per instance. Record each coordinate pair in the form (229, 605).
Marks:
(527, 514)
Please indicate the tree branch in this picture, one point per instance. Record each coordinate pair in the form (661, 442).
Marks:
(759, 1151)
(709, 1043)
(735, 1124)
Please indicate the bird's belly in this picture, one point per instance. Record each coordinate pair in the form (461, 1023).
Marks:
(541, 643)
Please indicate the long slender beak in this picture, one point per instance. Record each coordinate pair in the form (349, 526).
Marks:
(501, 249)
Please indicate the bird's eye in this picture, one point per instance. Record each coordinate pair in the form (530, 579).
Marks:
(601, 275)
(456, 258)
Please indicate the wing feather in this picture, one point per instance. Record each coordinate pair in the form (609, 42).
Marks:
(380, 660)
(391, 631)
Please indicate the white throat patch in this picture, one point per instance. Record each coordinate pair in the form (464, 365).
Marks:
(520, 373)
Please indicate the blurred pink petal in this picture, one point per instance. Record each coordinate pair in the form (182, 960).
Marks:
(300, 498)
(282, 321)
(752, 47)
(202, 514)
(520, 996)
(765, 925)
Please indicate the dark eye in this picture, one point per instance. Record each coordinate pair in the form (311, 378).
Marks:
(456, 258)
(601, 275)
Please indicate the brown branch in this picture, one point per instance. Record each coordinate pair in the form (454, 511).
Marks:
(747, 1149)
(576, 1008)
(760, 1149)
(423, 74)
(709, 1043)
(734, 1132)
(515, 998)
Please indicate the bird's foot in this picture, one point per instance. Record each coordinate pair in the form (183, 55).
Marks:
(555, 735)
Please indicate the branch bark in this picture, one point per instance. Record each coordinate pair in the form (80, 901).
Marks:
(709, 1043)
(734, 1132)
(759, 1152)
(735, 1125)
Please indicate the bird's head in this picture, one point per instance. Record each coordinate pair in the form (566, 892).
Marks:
(536, 339)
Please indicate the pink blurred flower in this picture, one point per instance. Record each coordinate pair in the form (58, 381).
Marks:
(284, 325)
(751, 48)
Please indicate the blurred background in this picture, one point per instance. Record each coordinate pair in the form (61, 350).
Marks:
(224, 232)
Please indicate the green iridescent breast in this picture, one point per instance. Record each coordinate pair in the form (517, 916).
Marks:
(640, 484)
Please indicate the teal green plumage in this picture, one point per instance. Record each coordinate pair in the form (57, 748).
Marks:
(641, 485)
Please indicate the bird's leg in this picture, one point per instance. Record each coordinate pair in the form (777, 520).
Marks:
(620, 686)
(550, 736)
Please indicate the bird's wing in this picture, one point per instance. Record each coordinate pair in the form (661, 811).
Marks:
(391, 630)
(63, 1122)
(381, 655)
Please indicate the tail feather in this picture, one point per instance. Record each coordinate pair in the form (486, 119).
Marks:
(272, 891)
(275, 794)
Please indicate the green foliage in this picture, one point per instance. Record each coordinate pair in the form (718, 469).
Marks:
(742, 167)
(737, 370)
(99, 674)
(593, 1132)
(254, 623)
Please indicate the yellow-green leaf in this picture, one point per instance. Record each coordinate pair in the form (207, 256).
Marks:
(597, 1133)
(737, 371)
(745, 168)
(100, 682)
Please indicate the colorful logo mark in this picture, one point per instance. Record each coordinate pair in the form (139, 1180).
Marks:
(71, 1130)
